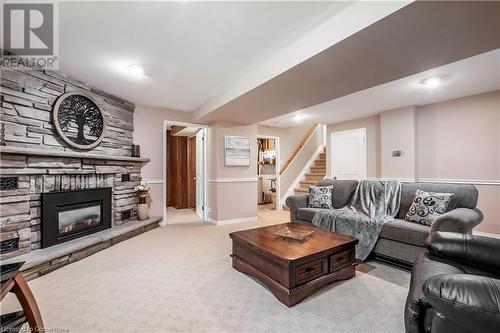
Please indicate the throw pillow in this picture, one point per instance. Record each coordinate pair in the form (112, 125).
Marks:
(321, 197)
(428, 206)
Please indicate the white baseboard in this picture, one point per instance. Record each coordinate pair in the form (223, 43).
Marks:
(301, 175)
(232, 221)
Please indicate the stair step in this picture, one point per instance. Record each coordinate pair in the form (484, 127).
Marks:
(320, 163)
(314, 176)
(318, 169)
(322, 155)
(305, 183)
(301, 191)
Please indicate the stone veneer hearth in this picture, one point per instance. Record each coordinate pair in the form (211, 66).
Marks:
(41, 162)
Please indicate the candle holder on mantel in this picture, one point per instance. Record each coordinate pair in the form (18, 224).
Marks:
(136, 151)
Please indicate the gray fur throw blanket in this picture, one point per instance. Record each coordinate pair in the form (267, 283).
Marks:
(374, 203)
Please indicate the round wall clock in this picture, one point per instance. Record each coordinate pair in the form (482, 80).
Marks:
(78, 120)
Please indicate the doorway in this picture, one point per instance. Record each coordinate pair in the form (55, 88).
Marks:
(348, 151)
(268, 166)
(184, 170)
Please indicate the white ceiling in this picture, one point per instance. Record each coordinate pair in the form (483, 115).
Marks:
(466, 77)
(190, 50)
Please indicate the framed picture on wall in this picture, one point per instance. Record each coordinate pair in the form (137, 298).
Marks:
(236, 151)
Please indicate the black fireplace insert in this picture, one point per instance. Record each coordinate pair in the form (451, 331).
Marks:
(67, 215)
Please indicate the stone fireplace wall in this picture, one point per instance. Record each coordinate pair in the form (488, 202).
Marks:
(20, 208)
(26, 112)
(34, 156)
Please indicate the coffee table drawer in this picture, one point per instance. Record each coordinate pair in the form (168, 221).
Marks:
(311, 270)
(341, 260)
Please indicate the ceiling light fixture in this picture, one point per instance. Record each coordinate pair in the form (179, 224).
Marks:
(298, 117)
(136, 71)
(432, 82)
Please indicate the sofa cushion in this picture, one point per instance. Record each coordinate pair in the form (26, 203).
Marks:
(307, 214)
(428, 206)
(465, 195)
(321, 197)
(342, 191)
(406, 232)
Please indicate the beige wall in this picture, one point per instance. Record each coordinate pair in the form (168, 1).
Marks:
(460, 140)
(231, 193)
(372, 125)
(456, 140)
(290, 137)
(148, 132)
(397, 132)
(231, 190)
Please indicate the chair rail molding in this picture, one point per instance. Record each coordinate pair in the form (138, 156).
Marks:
(153, 181)
(232, 180)
(441, 180)
(461, 181)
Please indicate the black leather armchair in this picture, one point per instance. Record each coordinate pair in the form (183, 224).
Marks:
(455, 286)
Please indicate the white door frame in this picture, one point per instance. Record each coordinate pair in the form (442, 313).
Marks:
(204, 128)
(278, 167)
(362, 130)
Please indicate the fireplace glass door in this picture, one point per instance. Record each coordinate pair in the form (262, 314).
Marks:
(74, 220)
(68, 215)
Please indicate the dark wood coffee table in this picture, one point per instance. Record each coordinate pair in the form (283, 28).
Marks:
(293, 270)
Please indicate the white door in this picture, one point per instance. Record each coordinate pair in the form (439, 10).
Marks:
(349, 154)
(200, 155)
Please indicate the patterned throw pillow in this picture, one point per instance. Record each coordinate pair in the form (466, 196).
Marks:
(321, 197)
(428, 206)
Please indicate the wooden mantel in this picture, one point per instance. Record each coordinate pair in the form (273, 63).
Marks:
(42, 152)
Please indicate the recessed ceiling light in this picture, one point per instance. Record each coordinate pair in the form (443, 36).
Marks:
(432, 82)
(298, 117)
(135, 70)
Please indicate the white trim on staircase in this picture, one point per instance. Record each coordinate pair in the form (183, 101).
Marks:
(301, 174)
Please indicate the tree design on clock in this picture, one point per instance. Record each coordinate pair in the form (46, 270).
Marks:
(78, 120)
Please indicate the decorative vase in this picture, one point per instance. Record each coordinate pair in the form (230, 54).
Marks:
(142, 209)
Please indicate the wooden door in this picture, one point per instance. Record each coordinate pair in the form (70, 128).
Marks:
(177, 192)
(191, 172)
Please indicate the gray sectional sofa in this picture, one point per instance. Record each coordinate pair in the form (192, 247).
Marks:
(402, 241)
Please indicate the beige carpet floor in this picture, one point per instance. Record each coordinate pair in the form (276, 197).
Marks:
(179, 279)
(176, 216)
